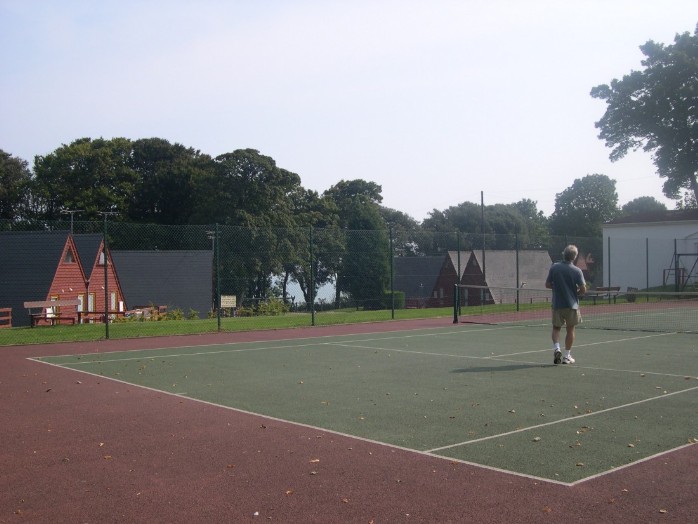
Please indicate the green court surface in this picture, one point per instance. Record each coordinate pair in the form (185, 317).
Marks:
(487, 395)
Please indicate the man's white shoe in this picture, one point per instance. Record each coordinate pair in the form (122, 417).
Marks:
(557, 358)
(568, 360)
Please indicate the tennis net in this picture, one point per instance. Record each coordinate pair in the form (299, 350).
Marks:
(608, 308)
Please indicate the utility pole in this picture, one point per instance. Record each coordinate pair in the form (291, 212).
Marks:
(71, 212)
(105, 214)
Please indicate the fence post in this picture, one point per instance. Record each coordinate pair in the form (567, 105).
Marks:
(677, 285)
(392, 274)
(456, 291)
(217, 244)
(312, 281)
(518, 283)
(106, 280)
(609, 267)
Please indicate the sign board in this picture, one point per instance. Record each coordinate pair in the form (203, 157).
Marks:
(229, 300)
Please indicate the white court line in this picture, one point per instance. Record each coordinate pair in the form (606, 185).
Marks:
(427, 453)
(502, 358)
(239, 350)
(567, 419)
(588, 344)
(233, 343)
(316, 428)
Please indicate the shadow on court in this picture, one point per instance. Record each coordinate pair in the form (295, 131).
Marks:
(494, 369)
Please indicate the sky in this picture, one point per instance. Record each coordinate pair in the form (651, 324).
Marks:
(438, 102)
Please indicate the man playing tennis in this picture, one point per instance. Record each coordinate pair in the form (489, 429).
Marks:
(567, 282)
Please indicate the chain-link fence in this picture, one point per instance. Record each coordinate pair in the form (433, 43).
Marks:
(142, 279)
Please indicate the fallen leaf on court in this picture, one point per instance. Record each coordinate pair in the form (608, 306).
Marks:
(580, 464)
(536, 439)
(314, 461)
(289, 492)
(512, 411)
(345, 501)
(107, 457)
(631, 445)
(313, 472)
(663, 511)
(230, 466)
(101, 444)
(547, 509)
(300, 381)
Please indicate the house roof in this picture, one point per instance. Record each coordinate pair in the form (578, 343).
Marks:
(500, 267)
(177, 279)
(88, 246)
(416, 276)
(28, 264)
(464, 256)
(677, 215)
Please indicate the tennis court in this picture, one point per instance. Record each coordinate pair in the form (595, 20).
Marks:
(480, 394)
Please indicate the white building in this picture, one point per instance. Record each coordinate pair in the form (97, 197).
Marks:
(651, 249)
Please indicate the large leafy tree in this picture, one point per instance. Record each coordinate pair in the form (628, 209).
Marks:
(92, 176)
(582, 208)
(645, 204)
(251, 195)
(316, 252)
(167, 173)
(364, 270)
(246, 189)
(656, 109)
(501, 223)
(15, 178)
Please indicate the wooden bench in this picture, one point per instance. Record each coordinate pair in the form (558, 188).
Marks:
(5, 317)
(604, 293)
(52, 318)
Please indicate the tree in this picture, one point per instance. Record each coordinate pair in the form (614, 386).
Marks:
(247, 192)
(90, 175)
(582, 208)
(657, 110)
(502, 224)
(364, 269)
(167, 174)
(645, 204)
(404, 229)
(245, 189)
(365, 272)
(536, 222)
(687, 202)
(319, 213)
(15, 178)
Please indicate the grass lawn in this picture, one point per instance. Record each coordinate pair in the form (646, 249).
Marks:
(85, 332)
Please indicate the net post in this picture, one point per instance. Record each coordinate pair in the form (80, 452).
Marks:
(455, 303)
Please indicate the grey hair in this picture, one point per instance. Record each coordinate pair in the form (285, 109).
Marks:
(570, 253)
